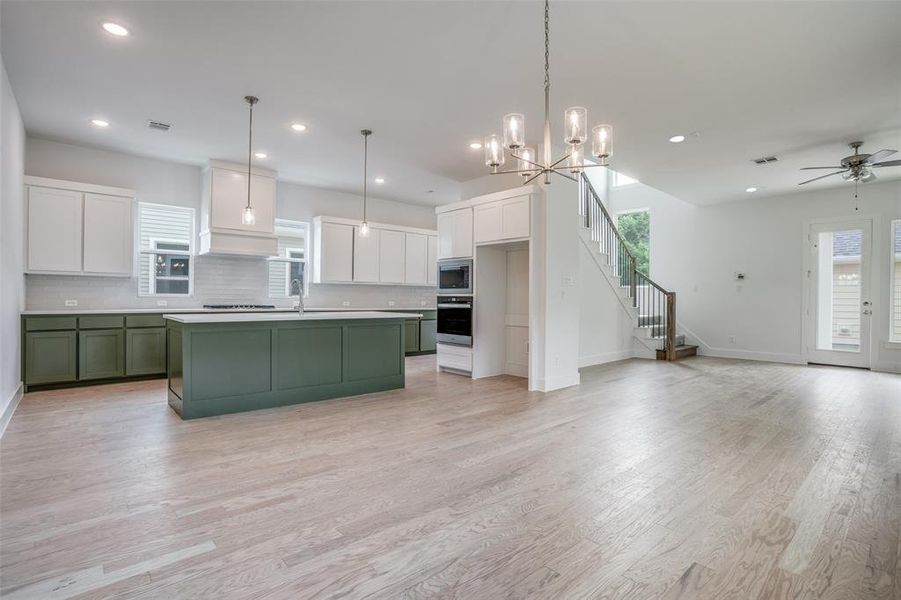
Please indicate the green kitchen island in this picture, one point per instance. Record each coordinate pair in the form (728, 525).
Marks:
(233, 362)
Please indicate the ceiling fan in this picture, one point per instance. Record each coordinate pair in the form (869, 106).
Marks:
(857, 167)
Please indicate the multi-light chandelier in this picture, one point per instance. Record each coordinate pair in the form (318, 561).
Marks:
(575, 124)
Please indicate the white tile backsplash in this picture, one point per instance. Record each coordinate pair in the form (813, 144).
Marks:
(217, 279)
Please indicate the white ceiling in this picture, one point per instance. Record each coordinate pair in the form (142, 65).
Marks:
(794, 79)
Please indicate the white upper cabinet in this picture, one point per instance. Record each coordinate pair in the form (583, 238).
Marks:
(432, 261)
(366, 256)
(108, 235)
(389, 255)
(416, 260)
(333, 254)
(224, 199)
(502, 219)
(455, 234)
(79, 228)
(54, 230)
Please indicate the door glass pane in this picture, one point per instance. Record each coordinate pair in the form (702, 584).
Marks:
(838, 290)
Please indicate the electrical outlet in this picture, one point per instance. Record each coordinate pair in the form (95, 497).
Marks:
(422, 303)
(162, 303)
(345, 303)
(391, 303)
(71, 302)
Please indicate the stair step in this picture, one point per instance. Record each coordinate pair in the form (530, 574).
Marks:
(682, 351)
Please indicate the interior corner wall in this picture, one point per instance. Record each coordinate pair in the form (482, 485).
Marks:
(12, 228)
(696, 251)
(558, 289)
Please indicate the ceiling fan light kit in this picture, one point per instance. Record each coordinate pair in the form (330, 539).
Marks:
(575, 136)
(857, 167)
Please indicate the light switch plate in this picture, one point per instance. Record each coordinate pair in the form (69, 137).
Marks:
(391, 303)
(345, 303)
(162, 303)
(71, 302)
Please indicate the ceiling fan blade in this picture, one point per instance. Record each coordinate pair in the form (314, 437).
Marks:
(811, 168)
(822, 177)
(888, 163)
(878, 156)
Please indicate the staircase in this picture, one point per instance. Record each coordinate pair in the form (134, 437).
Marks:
(652, 307)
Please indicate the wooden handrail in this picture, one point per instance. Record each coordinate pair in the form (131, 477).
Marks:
(662, 304)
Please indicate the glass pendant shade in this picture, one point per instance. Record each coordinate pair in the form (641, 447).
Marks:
(514, 131)
(575, 126)
(364, 229)
(494, 152)
(248, 217)
(602, 141)
(527, 157)
(576, 159)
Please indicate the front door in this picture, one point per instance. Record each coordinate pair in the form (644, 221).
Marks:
(839, 309)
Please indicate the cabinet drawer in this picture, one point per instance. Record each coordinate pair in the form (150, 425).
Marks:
(49, 357)
(455, 357)
(49, 323)
(154, 320)
(101, 322)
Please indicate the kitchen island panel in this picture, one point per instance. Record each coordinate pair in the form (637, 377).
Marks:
(216, 368)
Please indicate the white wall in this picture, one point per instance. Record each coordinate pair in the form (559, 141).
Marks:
(12, 226)
(696, 250)
(605, 328)
(217, 278)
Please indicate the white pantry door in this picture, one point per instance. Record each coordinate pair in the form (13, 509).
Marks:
(839, 307)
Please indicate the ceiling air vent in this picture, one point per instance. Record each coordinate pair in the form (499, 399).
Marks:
(765, 160)
(159, 125)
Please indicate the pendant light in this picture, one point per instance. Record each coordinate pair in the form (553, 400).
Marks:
(248, 217)
(364, 226)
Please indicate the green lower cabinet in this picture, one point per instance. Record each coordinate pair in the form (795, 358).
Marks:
(101, 354)
(50, 357)
(411, 335)
(428, 331)
(145, 351)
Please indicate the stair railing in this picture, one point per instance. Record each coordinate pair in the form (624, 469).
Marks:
(656, 306)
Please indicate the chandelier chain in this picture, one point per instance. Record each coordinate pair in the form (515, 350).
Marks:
(547, 44)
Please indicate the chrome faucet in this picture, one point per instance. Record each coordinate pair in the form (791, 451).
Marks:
(299, 295)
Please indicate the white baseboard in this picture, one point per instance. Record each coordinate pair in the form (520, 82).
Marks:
(590, 360)
(516, 370)
(11, 406)
(791, 359)
(558, 382)
(886, 366)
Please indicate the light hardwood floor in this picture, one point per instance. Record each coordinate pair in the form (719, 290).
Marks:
(705, 478)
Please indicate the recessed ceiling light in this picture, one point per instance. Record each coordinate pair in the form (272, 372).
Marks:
(475, 145)
(298, 127)
(99, 123)
(261, 155)
(677, 139)
(380, 180)
(751, 190)
(115, 29)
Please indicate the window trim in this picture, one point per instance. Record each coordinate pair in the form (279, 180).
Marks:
(152, 252)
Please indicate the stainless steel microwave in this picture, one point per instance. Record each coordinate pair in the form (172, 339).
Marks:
(455, 276)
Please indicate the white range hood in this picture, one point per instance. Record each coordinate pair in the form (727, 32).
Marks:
(224, 199)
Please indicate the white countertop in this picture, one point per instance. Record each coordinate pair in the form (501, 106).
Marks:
(282, 316)
(161, 310)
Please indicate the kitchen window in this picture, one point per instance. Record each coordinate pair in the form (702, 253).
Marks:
(290, 266)
(895, 333)
(166, 251)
